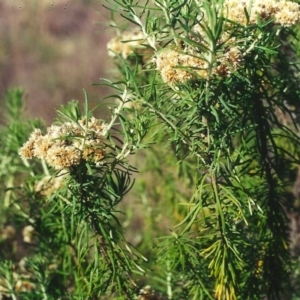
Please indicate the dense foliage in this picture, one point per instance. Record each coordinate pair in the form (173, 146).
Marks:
(206, 108)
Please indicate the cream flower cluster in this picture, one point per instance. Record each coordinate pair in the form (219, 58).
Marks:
(127, 43)
(179, 67)
(285, 13)
(228, 61)
(67, 145)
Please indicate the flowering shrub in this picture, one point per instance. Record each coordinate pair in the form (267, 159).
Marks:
(206, 109)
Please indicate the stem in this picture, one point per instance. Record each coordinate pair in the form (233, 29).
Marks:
(45, 297)
(8, 193)
(150, 40)
(26, 163)
(117, 111)
(45, 168)
(163, 7)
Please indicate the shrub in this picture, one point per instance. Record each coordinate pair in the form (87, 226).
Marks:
(206, 102)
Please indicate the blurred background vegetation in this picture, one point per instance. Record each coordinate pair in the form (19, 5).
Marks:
(54, 50)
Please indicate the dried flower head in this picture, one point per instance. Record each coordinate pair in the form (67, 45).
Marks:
(176, 67)
(285, 13)
(228, 61)
(234, 10)
(265, 10)
(28, 148)
(288, 13)
(67, 145)
(127, 43)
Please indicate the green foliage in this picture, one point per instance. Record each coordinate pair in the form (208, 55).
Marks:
(214, 137)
